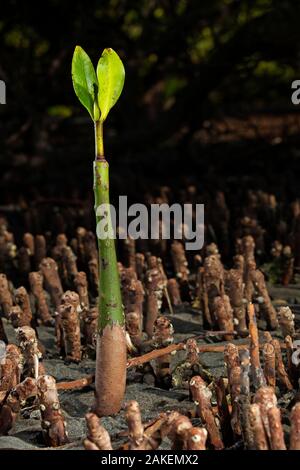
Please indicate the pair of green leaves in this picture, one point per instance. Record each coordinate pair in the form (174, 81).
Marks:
(98, 91)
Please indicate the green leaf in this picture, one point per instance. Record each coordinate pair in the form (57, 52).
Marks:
(111, 76)
(84, 79)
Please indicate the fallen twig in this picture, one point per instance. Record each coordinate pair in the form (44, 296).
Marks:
(76, 384)
(203, 348)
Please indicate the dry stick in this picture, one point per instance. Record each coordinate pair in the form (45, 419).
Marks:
(257, 427)
(280, 368)
(97, 437)
(269, 364)
(256, 371)
(276, 431)
(53, 423)
(36, 285)
(15, 400)
(202, 396)
(137, 361)
(295, 428)
(76, 384)
(203, 348)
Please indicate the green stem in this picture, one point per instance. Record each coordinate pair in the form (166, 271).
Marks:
(99, 143)
(110, 302)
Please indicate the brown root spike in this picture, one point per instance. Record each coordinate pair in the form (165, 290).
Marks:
(42, 309)
(257, 376)
(295, 428)
(155, 284)
(14, 402)
(224, 315)
(269, 364)
(97, 436)
(6, 300)
(163, 336)
(257, 427)
(68, 318)
(202, 398)
(52, 281)
(53, 422)
(32, 355)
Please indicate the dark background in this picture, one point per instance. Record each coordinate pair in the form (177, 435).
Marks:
(207, 98)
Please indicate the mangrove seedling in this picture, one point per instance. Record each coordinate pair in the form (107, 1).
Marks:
(98, 92)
